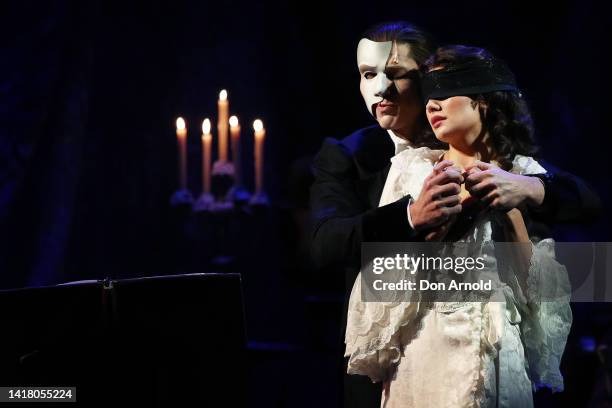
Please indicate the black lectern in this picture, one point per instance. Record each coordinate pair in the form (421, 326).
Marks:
(163, 341)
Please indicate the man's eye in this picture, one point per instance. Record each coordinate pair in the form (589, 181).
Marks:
(395, 75)
(369, 75)
(400, 76)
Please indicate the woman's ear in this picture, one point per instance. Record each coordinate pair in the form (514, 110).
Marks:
(480, 103)
(483, 108)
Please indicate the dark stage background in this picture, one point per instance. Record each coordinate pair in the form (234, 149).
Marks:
(90, 90)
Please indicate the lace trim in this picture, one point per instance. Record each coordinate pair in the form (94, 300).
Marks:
(549, 317)
(373, 345)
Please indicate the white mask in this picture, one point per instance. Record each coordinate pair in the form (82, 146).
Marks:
(372, 57)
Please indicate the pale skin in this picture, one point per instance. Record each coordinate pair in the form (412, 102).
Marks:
(464, 172)
(456, 121)
(399, 111)
(400, 106)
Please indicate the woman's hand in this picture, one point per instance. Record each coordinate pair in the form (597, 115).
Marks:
(502, 190)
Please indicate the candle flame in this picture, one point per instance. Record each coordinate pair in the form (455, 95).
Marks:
(206, 126)
(233, 121)
(223, 95)
(257, 125)
(180, 123)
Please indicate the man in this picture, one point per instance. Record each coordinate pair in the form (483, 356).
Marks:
(351, 174)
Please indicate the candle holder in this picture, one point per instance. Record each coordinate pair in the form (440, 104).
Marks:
(223, 206)
(205, 202)
(260, 200)
(223, 178)
(181, 197)
(239, 195)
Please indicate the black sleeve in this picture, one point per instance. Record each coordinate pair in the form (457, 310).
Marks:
(567, 198)
(341, 219)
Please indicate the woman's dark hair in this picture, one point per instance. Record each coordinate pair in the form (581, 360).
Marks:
(505, 115)
(421, 48)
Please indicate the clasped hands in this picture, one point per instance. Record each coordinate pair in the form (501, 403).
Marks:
(439, 203)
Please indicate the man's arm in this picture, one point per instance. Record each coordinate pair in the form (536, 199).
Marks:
(341, 219)
(560, 198)
(567, 198)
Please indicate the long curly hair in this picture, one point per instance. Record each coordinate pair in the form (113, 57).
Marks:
(505, 115)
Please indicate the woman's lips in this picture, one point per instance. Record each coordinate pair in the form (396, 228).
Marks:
(436, 121)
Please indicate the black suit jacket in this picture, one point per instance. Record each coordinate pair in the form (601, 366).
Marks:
(349, 178)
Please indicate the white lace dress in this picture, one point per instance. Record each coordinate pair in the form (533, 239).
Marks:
(463, 354)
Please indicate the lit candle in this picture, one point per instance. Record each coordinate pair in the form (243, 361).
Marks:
(223, 106)
(260, 135)
(235, 136)
(181, 137)
(206, 150)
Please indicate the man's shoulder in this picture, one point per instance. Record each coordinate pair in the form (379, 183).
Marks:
(368, 149)
(367, 139)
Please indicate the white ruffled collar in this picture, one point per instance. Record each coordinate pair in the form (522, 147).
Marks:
(425, 154)
(399, 143)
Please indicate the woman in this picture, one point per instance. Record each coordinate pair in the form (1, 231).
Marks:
(464, 354)
(350, 173)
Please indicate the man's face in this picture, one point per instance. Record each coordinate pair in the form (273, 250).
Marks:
(388, 83)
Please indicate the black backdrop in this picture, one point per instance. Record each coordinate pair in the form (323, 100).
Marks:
(90, 90)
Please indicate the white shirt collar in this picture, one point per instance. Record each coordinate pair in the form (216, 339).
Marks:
(399, 143)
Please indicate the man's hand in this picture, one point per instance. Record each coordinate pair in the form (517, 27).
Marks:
(500, 189)
(439, 199)
(439, 232)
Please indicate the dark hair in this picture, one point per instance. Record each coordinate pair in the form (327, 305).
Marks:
(421, 43)
(421, 47)
(505, 115)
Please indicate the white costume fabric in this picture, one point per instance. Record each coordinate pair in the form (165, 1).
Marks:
(463, 354)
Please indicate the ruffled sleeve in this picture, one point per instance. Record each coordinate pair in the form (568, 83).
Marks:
(373, 328)
(372, 337)
(526, 165)
(547, 319)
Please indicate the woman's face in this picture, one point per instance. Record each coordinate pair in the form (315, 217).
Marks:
(389, 87)
(455, 120)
